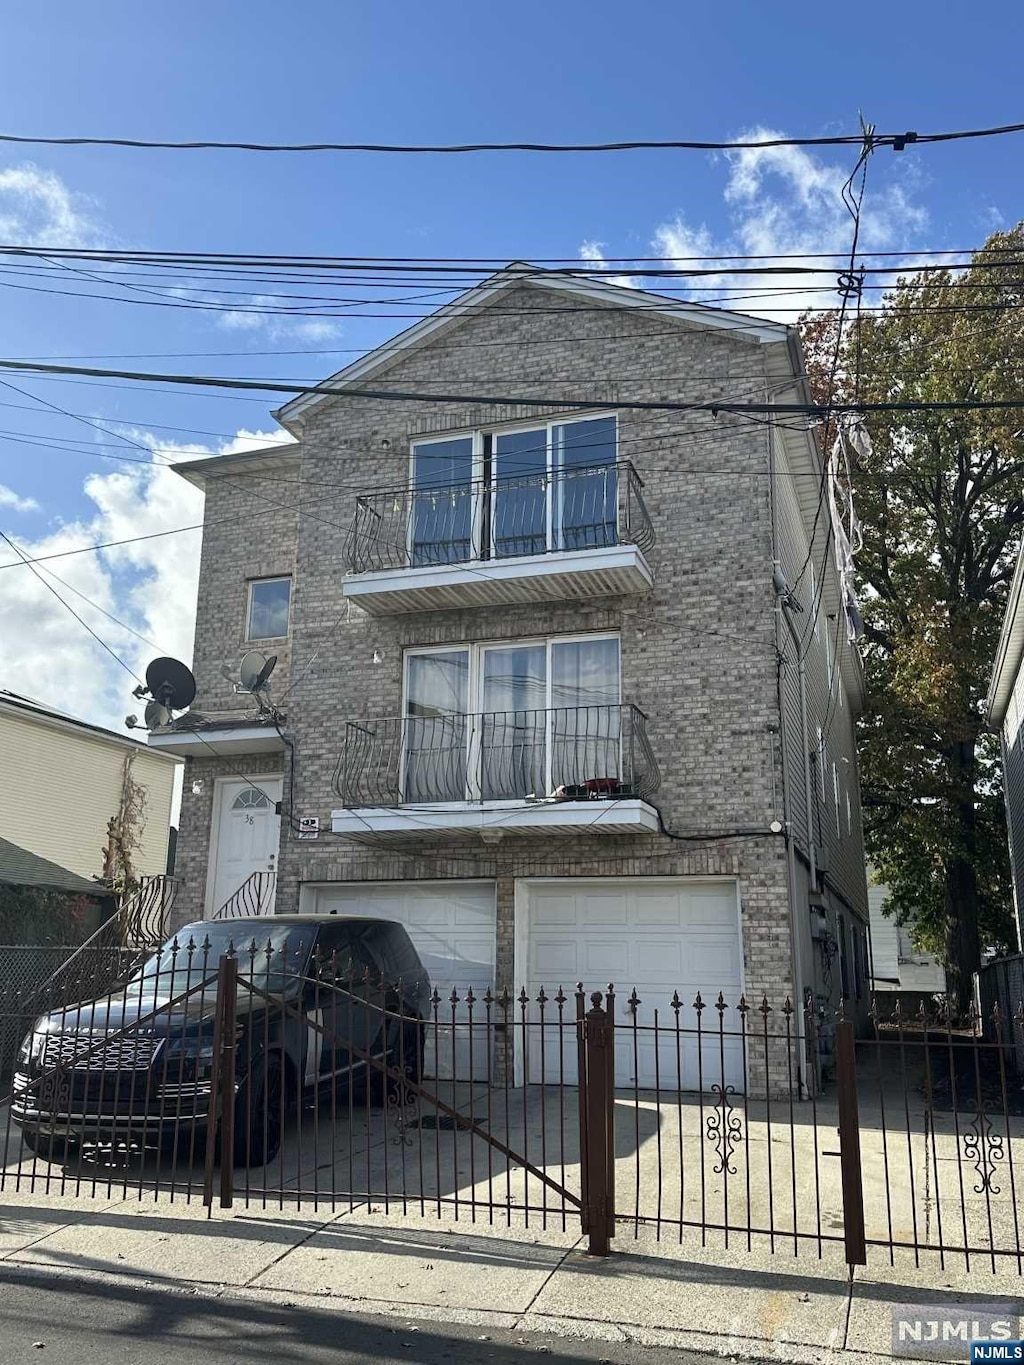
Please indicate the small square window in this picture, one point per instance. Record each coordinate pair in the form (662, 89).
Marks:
(269, 600)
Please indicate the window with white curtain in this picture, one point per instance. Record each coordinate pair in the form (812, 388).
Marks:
(511, 719)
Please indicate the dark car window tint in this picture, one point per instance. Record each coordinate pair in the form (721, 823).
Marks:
(402, 959)
(273, 957)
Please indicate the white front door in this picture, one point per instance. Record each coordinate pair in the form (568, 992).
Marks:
(247, 831)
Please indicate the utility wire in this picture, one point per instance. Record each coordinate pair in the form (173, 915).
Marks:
(897, 141)
(67, 605)
(819, 410)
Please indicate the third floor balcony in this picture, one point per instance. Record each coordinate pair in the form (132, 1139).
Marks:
(569, 531)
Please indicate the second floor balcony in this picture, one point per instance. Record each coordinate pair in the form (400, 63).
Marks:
(555, 770)
(569, 532)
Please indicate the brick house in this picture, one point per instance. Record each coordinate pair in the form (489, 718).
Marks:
(537, 670)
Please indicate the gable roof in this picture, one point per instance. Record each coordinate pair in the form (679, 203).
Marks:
(19, 867)
(293, 412)
(46, 715)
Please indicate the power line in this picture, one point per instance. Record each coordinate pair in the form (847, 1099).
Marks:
(67, 605)
(896, 141)
(714, 406)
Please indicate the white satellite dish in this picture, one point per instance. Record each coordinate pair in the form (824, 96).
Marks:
(250, 668)
(254, 670)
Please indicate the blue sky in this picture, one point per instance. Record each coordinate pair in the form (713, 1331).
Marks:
(410, 72)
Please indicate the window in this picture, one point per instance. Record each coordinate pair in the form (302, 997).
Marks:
(849, 815)
(821, 761)
(844, 959)
(835, 793)
(815, 606)
(495, 495)
(829, 661)
(269, 600)
(505, 721)
(251, 799)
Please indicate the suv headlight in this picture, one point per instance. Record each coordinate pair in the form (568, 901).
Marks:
(31, 1051)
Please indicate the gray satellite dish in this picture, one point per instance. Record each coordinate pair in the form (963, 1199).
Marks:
(265, 673)
(156, 714)
(250, 669)
(255, 670)
(171, 684)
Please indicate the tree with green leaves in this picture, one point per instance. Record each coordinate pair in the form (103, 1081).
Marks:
(941, 503)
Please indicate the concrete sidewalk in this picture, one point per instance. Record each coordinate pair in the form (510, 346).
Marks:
(736, 1303)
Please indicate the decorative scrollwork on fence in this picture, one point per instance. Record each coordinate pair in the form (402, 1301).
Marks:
(724, 1129)
(984, 1147)
(402, 1111)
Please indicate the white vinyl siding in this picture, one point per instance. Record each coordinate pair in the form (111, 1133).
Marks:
(61, 785)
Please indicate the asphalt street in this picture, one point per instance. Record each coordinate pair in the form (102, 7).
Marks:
(48, 1319)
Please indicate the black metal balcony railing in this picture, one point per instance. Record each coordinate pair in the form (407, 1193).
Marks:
(577, 508)
(571, 752)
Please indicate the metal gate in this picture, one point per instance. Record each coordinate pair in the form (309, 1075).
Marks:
(240, 1081)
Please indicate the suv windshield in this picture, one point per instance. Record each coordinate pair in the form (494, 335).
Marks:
(273, 957)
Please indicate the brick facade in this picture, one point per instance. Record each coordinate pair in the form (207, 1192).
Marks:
(698, 653)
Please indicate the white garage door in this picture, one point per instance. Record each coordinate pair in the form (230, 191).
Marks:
(659, 937)
(452, 926)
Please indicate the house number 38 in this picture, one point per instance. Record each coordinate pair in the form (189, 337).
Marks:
(250, 819)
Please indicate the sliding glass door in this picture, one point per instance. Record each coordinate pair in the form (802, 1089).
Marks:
(441, 525)
(586, 500)
(436, 726)
(512, 720)
(511, 494)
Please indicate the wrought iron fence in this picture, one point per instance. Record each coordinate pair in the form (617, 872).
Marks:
(34, 979)
(569, 753)
(583, 507)
(276, 1073)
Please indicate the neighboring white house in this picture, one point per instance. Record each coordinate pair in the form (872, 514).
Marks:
(63, 780)
(896, 965)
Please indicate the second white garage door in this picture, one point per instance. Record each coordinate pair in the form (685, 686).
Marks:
(452, 926)
(657, 935)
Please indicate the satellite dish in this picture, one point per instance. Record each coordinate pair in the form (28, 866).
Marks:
(171, 684)
(156, 714)
(250, 668)
(265, 673)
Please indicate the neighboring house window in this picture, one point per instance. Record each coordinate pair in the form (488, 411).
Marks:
(269, 602)
(829, 661)
(821, 761)
(835, 793)
(506, 721)
(814, 607)
(500, 494)
(859, 959)
(849, 815)
(844, 959)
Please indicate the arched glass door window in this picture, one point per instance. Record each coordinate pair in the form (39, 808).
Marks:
(251, 798)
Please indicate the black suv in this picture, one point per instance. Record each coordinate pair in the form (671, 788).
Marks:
(324, 1004)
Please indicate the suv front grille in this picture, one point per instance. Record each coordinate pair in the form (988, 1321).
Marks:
(84, 1052)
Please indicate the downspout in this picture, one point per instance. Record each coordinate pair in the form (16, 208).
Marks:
(787, 809)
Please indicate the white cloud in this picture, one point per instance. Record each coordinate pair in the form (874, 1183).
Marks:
(594, 253)
(8, 498)
(38, 209)
(787, 201)
(276, 326)
(150, 585)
